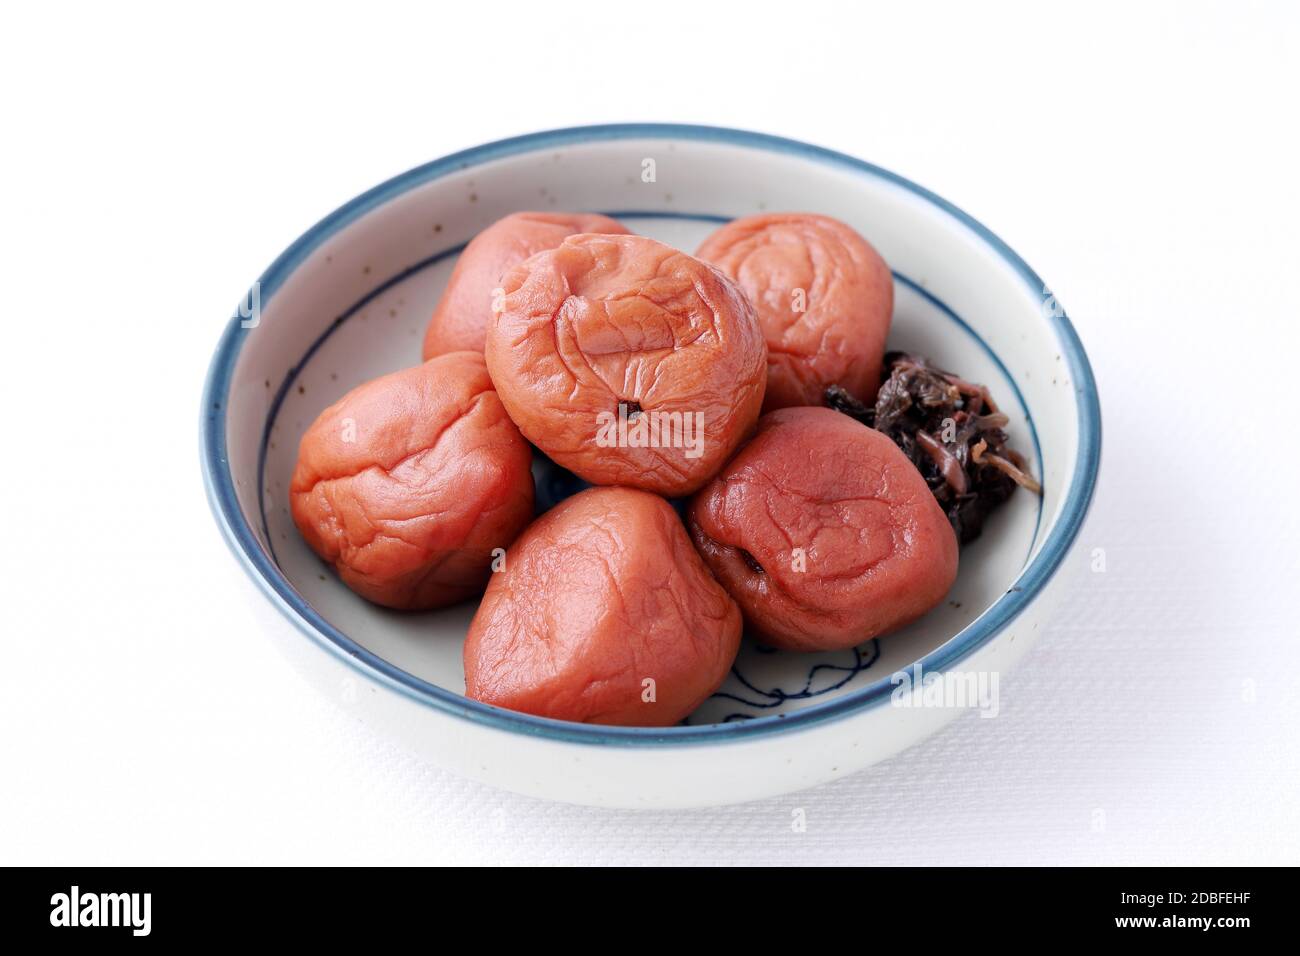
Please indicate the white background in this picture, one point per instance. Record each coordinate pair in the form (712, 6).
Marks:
(1143, 158)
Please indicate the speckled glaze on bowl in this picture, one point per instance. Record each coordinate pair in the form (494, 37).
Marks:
(349, 301)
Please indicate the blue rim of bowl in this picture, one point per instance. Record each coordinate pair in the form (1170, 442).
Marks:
(243, 541)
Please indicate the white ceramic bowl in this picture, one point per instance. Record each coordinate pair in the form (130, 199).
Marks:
(349, 301)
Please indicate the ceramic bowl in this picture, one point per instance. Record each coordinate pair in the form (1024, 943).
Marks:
(349, 301)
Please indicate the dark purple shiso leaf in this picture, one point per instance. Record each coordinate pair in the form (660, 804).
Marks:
(951, 430)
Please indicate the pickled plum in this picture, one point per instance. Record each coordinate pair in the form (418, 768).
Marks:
(604, 613)
(628, 362)
(824, 532)
(461, 319)
(824, 297)
(408, 483)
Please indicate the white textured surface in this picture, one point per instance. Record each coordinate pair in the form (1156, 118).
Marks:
(1140, 159)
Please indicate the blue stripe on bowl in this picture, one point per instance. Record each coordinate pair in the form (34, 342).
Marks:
(261, 566)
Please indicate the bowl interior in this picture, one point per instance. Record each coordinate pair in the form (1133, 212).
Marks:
(350, 302)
